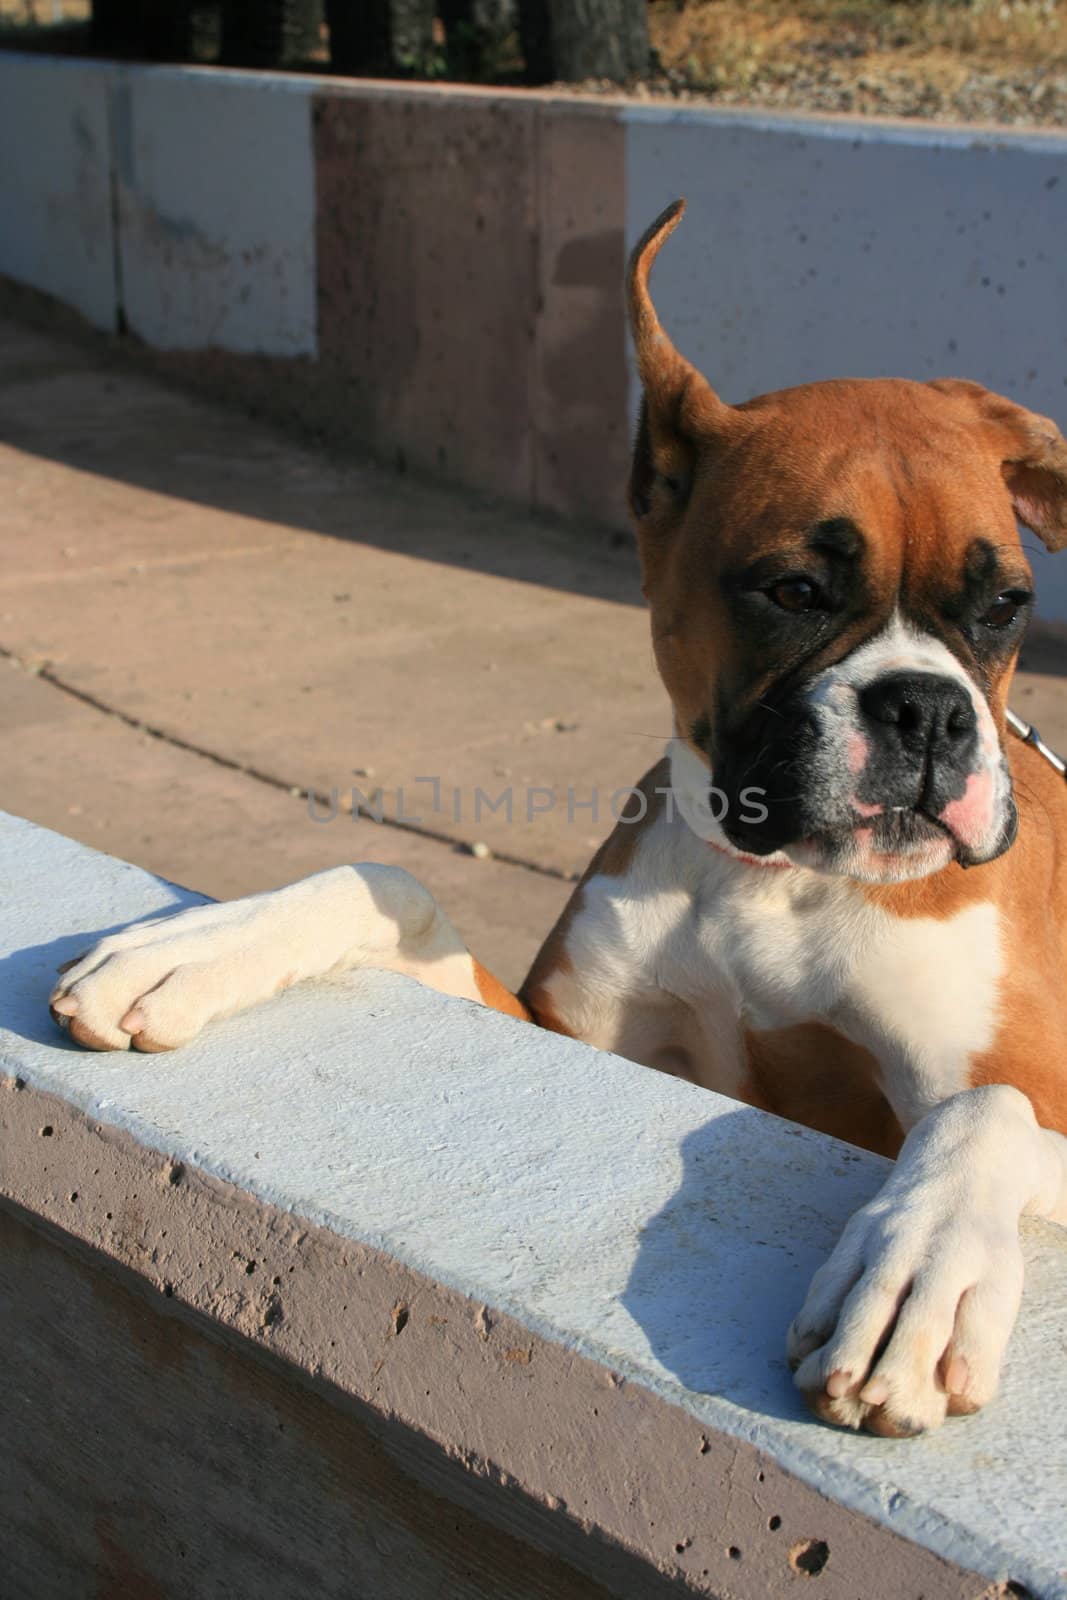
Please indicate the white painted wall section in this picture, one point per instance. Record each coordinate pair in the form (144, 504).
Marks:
(844, 248)
(663, 1231)
(56, 230)
(216, 181)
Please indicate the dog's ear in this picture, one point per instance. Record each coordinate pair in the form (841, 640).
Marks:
(679, 406)
(1033, 455)
(1037, 479)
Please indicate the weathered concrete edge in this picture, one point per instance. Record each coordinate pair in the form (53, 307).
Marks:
(539, 1457)
(969, 1557)
(896, 1485)
(853, 127)
(867, 127)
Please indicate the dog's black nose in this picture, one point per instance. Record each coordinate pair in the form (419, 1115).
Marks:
(920, 710)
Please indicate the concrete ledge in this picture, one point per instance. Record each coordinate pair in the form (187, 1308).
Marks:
(371, 1291)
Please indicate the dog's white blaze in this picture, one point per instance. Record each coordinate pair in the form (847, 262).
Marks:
(900, 648)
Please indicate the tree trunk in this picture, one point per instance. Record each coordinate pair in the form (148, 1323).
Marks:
(571, 40)
(475, 34)
(535, 38)
(268, 33)
(380, 37)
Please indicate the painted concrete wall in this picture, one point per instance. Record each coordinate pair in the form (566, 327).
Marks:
(556, 1284)
(847, 249)
(56, 229)
(842, 248)
(470, 254)
(216, 192)
(164, 1464)
(434, 273)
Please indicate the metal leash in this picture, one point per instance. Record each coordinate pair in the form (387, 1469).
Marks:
(1029, 735)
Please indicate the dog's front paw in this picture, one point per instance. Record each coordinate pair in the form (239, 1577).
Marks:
(908, 1320)
(154, 986)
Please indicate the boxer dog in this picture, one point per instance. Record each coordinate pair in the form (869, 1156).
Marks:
(841, 896)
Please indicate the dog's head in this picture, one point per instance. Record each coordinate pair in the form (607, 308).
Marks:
(838, 596)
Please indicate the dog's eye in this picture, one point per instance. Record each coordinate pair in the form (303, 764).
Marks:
(794, 594)
(1004, 610)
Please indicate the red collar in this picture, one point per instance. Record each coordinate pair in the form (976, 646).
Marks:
(747, 860)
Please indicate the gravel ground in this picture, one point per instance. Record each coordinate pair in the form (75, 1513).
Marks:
(948, 60)
(1017, 101)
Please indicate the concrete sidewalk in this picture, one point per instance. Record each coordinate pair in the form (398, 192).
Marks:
(283, 622)
(203, 619)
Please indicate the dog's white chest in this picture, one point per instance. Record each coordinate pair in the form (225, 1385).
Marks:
(757, 948)
(919, 993)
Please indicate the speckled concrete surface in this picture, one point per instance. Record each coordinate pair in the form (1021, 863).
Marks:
(634, 1219)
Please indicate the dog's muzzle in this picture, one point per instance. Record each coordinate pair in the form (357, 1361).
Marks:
(883, 768)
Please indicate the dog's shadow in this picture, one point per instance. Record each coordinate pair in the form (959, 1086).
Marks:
(723, 1267)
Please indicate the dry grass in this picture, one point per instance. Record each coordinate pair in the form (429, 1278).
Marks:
(1002, 60)
(41, 13)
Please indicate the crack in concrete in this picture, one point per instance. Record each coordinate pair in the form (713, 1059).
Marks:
(43, 670)
(125, 567)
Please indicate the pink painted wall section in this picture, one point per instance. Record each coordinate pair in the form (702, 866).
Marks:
(427, 289)
(470, 254)
(580, 423)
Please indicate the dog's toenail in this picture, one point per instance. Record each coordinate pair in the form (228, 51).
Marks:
(838, 1383)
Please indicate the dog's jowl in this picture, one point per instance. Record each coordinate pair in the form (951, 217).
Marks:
(842, 894)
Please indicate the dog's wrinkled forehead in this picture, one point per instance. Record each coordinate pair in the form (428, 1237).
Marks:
(863, 523)
(884, 480)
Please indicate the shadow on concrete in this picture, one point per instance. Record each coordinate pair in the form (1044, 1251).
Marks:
(165, 1431)
(724, 1266)
(34, 35)
(28, 976)
(1045, 646)
(89, 402)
